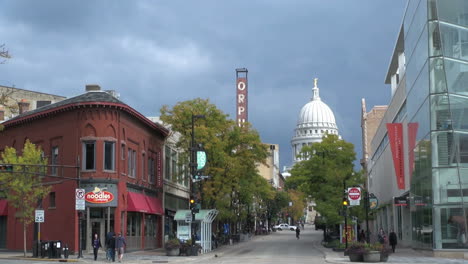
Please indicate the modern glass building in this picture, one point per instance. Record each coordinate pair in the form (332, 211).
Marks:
(428, 74)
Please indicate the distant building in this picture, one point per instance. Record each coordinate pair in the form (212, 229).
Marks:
(15, 101)
(176, 182)
(315, 120)
(270, 170)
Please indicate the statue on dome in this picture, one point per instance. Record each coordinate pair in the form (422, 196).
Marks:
(315, 82)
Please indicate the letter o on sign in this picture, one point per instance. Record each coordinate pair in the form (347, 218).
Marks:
(241, 86)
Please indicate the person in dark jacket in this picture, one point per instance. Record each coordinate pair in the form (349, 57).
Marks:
(111, 247)
(96, 245)
(298, 232)
(109, 235)
(393, 240)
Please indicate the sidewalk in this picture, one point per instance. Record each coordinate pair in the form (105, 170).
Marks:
(401, 255)
(146, 256)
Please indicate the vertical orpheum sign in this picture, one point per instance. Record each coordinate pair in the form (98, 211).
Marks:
(241, 96)
(395, 136)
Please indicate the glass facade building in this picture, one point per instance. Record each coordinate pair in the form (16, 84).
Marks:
(436, 48)
(430, 64)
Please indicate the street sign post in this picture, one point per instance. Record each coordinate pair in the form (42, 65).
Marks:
(354, 195)
(39, 218)
(80, 199)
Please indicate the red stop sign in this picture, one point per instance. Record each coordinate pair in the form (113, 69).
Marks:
(354, 193)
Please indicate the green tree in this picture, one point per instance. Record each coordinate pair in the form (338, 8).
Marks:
(321, 173)
(232, 155)
(276, 205)
(24, 186)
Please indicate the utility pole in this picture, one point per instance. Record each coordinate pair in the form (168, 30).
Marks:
(80, 238)
(345, 209)
(193, 166)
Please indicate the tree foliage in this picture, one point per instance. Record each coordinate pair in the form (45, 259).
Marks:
(4, 53)
(232, 155)
(23, 187)
(322, 172)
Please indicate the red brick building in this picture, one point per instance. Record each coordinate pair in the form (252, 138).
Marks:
(117, 153)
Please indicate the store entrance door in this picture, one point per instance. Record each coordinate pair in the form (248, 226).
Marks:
(97, 227)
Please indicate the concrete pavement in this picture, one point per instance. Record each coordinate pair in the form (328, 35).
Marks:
(402, 255)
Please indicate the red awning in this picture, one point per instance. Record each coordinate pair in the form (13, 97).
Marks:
(3, 207)
(137, 203)
(155, 205)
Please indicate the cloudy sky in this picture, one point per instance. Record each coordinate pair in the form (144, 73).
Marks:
(161, 52)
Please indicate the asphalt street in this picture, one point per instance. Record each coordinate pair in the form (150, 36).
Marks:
(278, 247)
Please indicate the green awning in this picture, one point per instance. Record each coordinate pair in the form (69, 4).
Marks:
(204, 215)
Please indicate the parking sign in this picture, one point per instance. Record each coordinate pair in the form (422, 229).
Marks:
(79, 199)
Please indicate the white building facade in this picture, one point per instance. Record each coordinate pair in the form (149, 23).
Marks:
(315, 120)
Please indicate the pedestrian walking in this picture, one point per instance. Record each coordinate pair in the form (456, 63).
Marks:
(362, 236)
(109, 235)
(381, 237)
(298, 232)
(392, 238)
(96, 245)
(120, 244)
(111, 248)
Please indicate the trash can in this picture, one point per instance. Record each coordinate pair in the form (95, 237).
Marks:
(50, 249)
(55, 247)
(58, 248)
(44, 248)
(35, 249)
(65, 251)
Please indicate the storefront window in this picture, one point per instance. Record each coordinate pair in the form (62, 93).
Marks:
(453, 227)
(150, 226)
(133, 224)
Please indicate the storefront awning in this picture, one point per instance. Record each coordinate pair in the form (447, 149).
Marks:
(154, 205)
(137, 203)
(3, 207)
(206, 216)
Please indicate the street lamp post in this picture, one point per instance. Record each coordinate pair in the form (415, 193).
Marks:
(345, 216)
(193, 166)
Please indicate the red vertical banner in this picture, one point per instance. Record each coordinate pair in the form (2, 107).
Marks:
(241, 109)
(395, 136)
(412, 132)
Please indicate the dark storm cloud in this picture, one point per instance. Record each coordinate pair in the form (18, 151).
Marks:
(162, 52)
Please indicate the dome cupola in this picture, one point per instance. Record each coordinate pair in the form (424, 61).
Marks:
(315, 120)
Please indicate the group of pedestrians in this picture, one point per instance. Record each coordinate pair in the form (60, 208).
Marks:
(113, 243)
(381, 238)
(392, 239)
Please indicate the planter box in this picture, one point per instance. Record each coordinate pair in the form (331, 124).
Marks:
(173, 252)
(355, 257)
(373, 256)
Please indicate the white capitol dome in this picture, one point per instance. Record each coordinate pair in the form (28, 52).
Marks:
(315, 120)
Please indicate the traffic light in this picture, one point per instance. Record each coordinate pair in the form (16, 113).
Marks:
(345, 202)
(194, 205)
(6, 168)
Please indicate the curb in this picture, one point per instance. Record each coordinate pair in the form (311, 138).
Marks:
(38, 259)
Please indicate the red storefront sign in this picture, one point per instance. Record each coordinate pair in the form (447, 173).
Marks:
(99, 197)
(395, 136)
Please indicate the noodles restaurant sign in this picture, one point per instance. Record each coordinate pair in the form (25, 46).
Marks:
(100, 195)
